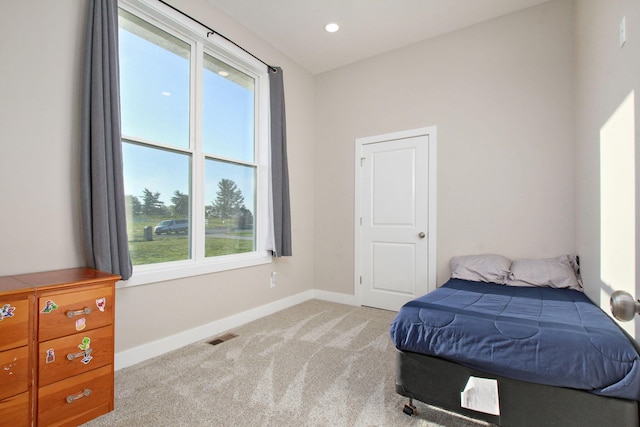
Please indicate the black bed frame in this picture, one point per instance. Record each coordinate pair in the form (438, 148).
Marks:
(438, 382)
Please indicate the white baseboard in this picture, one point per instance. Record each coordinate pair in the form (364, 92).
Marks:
(334, 297)
(146, 351)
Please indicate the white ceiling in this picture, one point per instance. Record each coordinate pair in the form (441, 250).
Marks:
(367, 27)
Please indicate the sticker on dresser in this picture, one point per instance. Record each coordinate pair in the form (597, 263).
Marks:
(7, 311)
(81, 323)
(8, 369)
(49, 306)
(86, 347)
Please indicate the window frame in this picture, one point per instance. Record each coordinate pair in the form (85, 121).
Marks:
(183, 28)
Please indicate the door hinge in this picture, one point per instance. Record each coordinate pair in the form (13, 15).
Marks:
(362, 159)
(361, 280)
(360, 220)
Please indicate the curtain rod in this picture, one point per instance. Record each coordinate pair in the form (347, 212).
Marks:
(212, 31)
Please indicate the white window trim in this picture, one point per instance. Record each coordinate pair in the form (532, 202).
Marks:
(169, 20)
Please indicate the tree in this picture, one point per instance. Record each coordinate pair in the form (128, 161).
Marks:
(151, 204)
(180, 204)
(245, 219)
(210, 211)
(229, 199)
(134, 207)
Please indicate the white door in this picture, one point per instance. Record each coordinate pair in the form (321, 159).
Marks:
(394, 235)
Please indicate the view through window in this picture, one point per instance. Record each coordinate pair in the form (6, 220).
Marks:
(189, 147)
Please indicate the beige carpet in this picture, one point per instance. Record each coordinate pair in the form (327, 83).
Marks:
(315, 364)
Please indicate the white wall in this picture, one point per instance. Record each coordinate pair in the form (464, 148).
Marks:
(41, 50)
(607, 147)
(40, 71)
(501, 95)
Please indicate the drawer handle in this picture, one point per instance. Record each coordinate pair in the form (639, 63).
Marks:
(72, 356)
(86, 310)
(73, 397)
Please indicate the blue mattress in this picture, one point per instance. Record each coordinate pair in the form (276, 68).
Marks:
(541, 335)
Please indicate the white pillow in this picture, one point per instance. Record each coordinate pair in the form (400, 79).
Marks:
(559, 272)
(481, 268)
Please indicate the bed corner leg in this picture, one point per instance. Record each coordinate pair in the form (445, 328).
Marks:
(409, 409)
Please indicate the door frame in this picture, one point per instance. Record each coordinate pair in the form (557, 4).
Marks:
(431, 133)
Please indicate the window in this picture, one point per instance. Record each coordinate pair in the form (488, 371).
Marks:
(194, 138)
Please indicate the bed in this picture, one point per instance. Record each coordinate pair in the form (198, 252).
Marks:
(554, 356)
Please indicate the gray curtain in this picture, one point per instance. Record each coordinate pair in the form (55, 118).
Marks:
(102, 181)
(279, 167)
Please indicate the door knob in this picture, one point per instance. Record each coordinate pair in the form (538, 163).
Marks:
(422, 235)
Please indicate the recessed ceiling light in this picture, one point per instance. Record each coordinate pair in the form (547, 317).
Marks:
(223, 73)
(332, 27)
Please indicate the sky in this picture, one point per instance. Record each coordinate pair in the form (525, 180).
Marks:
(154, 86)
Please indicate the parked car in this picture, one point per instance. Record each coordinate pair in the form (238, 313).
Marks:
(172, 226)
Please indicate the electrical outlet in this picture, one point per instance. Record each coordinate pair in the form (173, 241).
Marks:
(274, 279)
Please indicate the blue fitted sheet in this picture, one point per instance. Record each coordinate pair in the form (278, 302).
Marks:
(541, 335)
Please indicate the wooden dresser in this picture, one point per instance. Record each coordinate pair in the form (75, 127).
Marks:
(56, 347)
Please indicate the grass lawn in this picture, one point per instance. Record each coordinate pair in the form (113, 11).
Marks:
(175, 247)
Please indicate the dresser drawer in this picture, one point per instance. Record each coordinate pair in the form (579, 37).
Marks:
(75, 354)
(14, 322)
(14, 372)
(77, 399)
(16, 411)
(61, 314)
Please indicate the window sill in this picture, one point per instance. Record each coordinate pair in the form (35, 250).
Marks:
(180, 269)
